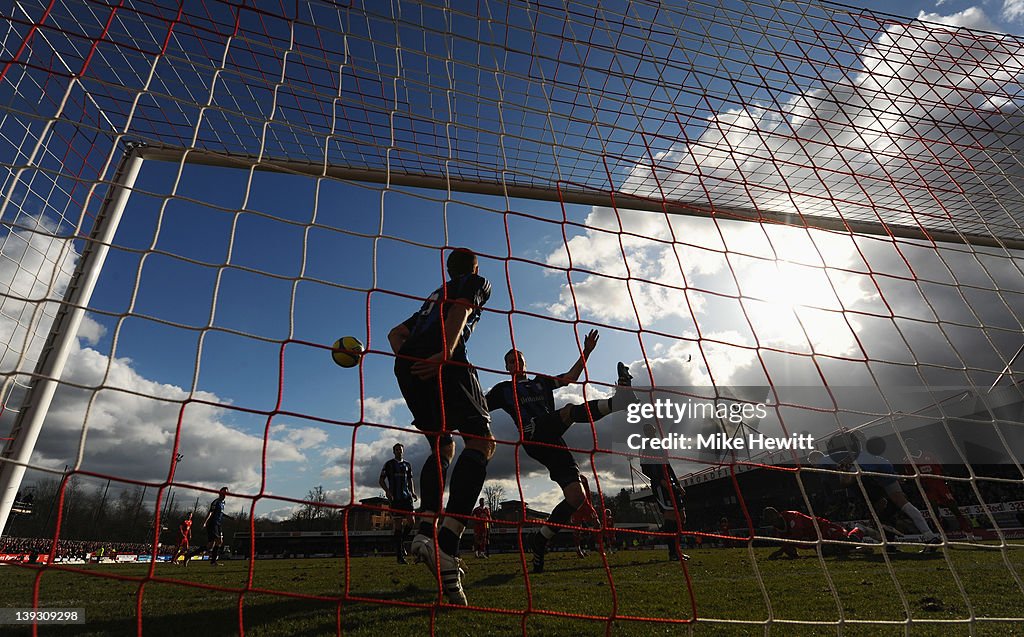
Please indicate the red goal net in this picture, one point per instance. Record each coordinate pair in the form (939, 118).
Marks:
(801, 216)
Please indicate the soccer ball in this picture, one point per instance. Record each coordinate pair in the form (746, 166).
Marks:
(347, 351)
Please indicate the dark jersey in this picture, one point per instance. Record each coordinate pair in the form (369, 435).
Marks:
(657, 472)
(216, 513)
(398, 474)
(426, 326)
(535, 398)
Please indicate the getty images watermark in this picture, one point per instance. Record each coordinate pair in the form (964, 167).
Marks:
(951, 424)
(739, 416)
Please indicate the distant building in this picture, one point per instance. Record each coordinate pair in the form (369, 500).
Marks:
(512, 511)
(368, 516)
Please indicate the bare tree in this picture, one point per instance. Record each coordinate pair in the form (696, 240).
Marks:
(493, 495)
(313, 507)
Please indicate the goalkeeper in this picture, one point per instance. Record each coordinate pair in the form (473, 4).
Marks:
(668, 493)
(531, 403)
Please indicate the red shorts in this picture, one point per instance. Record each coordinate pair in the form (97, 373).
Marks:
(480, 536)
(938, 493)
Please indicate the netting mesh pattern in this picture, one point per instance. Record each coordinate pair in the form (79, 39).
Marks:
(296, 152)
(808, 109)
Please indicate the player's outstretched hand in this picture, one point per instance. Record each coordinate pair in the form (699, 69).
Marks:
(428, 368)
(590, 342)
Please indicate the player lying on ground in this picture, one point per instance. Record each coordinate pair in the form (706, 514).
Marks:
(443, 393)
(531, 403)
(793, 525)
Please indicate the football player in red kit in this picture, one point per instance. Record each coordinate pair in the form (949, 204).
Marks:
(935, 488)
(793, 525)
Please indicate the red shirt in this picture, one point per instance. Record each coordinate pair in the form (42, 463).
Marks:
(800, 526)
(480, 525)
(927, 464)
(186, 529)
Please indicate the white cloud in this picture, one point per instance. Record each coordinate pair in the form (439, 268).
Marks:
(870, 141)
(382, 411)
(907, 137)
(301, 437)
(33, 265)
(127, 426)
(970, 18)
(1013, 10)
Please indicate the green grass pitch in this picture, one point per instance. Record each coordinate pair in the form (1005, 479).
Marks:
(307, 597)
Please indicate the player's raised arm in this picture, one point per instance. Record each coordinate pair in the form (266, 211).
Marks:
(573, 375)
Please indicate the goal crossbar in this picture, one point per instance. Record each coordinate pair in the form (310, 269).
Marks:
(570, 194)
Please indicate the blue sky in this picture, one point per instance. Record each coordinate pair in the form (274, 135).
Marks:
(177, 319)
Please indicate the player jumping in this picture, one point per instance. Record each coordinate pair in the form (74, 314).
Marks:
(443, 393)
(531, 403)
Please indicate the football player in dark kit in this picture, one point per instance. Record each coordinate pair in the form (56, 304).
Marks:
(668, 493)
(531, 404)
(214, 532)
(396, 480)
(443, 393)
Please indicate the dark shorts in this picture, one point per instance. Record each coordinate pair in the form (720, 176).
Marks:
(553, 453)
(876, 489)
(668, 497)
(213, 533)
(465, 407)
(404, 504)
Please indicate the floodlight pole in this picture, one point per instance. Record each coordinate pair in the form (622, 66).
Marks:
(64, 332)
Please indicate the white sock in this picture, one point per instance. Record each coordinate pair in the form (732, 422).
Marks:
(915, 516)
